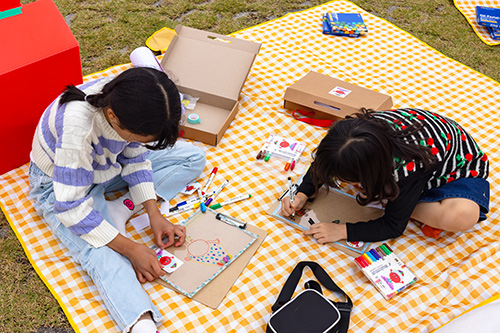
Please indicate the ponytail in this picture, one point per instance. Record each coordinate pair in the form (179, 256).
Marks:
(72, 93)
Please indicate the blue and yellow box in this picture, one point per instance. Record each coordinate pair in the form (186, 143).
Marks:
(494, 33)
(488, 16)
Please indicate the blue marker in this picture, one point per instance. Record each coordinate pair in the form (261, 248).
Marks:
(370, 255)
(375, 254)
(190, 201)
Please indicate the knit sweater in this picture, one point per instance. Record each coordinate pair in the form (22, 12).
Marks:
(77, 147)
(457, 156)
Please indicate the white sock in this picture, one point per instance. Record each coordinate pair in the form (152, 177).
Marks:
(144, 326)
(121, 210)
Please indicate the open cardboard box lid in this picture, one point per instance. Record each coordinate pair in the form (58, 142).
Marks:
(213, 68)
(208, 62)
(331, 98)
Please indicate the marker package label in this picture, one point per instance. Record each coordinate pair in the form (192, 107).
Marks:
(283, 147)
(386, 272)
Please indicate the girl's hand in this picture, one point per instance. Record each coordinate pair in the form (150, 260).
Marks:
(298, 202)
(143, 259)
(327, 232)
(162, 227)
(145, 263)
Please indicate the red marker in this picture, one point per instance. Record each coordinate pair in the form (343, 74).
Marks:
(360, 262)
(362, 259)
(209, 181)
(287, 165)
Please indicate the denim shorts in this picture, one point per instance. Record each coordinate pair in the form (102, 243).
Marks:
(475, 189)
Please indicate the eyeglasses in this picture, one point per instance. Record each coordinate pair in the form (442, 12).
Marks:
(342, 184)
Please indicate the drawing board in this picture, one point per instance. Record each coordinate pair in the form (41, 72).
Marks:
(332, 206)
(210, 247)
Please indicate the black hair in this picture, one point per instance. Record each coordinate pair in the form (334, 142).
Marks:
(362, 149)
(145, 101)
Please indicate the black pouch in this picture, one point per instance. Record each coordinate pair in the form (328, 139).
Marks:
(310, 311)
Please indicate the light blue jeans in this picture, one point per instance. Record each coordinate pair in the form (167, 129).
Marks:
(112, 272)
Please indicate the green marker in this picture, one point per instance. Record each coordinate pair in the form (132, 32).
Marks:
(384, 249)
(268, 156)
(235, 199)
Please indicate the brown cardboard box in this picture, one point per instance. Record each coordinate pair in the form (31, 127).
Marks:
(213, 68)
(331, 98)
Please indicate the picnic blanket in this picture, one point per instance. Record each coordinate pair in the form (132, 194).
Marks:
(456, 271)
(468, 9)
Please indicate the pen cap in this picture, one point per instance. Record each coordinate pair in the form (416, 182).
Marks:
(215, 206)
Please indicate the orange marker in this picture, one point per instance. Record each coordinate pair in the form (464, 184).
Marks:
(367, 259)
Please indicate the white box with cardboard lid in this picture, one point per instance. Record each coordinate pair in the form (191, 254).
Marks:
(213, 68)
(331, 98)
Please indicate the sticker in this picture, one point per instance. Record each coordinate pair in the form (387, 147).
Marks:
(190, 188)
(129, 204)
(339, 92)
(355, 245)
(169, 263)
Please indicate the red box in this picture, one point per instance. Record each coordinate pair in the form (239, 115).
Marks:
(39, 57)
(9, 4)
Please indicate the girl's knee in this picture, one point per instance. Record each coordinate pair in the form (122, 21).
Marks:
(461, 218)
(198, 159)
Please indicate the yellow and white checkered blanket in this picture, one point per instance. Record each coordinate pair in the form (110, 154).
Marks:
(468, 9)
(456, 271)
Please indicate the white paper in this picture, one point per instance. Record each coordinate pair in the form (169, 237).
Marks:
(140, 222)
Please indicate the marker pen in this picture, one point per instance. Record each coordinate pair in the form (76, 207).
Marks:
(203, 207)
(362, 259)
(209, 181)
(385, 249)
(262, 153)
(367, 258)
(360, 263)
(268, 156)
(184, 208)
(288, 164)
(380, 252)
(212, 197)
(233, 200)
(370, 255)
(387, 246)
(290, 192)
(375, 254)
(186, 202)
(231, 220)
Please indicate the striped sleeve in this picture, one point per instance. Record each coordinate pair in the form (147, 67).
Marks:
(137, 172)
(73, 176)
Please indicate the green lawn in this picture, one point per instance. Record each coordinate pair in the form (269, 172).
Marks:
(107, 31)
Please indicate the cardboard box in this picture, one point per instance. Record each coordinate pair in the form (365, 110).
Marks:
(39, 57)
(330, 98)
(213, 68)
(488, 16)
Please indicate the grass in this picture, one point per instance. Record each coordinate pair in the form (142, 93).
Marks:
(107, 31)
